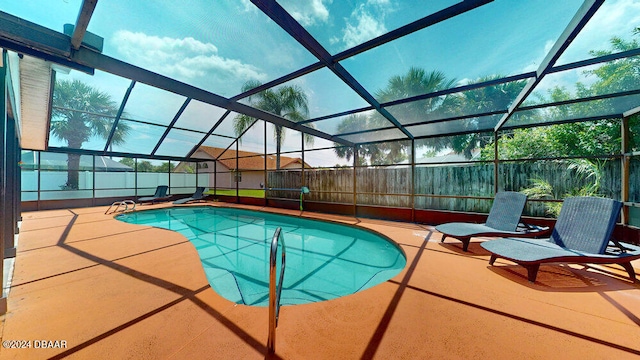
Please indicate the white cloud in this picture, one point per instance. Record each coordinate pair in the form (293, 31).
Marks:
(378, 2)
(185, 59)
(247, 5)
(367, 21)
(534, 65)
(614, 18)
(366, 27)
(140, 131)
(308, 13)
(548, 46)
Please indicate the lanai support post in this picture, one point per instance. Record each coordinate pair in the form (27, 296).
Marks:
(625, 159)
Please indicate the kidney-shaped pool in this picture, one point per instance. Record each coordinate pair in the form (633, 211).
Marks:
(325, 260)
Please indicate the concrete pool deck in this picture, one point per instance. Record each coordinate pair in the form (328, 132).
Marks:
(93, 287)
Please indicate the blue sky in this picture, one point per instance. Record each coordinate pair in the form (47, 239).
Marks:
(219, 45)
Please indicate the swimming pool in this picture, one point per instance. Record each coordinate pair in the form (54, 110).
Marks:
(324, 260)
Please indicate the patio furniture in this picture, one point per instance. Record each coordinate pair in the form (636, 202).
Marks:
(160, 194)
(503, 220)
(198, 195)
(582, 234)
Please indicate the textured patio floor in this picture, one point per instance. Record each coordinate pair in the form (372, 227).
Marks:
(112, 290)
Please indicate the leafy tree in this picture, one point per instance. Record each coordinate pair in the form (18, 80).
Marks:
(186, 168)
(129, 162)
(579, 139)
(593, 138)
(145, 166)
(520, 144)
(289, 102)
(165, 167)
(80, 112)
(618, 75)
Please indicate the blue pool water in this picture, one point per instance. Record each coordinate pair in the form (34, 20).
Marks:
(324, 260)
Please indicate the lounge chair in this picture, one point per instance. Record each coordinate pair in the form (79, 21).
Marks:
(160, 194)
(582, 234)
(503, 220)
(198, 195)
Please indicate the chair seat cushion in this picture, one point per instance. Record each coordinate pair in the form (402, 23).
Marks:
(460, 229)
(537, 251)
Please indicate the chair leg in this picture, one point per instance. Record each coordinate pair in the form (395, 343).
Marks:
(465, 243)
(443, 237)
(493, 259)
(532, 272)
(632, 273)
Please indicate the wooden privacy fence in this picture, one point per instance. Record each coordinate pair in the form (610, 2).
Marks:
(391, 186)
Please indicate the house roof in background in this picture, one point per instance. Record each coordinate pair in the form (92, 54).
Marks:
(248, 160)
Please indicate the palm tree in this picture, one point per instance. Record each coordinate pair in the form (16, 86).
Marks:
(477, 101)
(370, 154)
(415, 82)
(79, 112)
(289, 102)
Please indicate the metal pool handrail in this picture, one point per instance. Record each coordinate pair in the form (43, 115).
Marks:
(124, 203)
(275, 291)
(303, 190)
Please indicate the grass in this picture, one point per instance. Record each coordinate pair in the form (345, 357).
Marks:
(256, 193)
